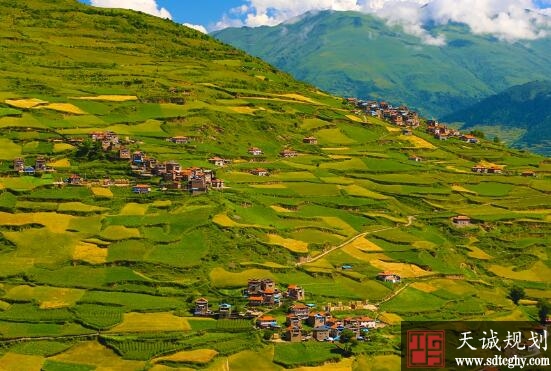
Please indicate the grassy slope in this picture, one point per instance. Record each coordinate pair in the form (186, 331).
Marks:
(74, 260)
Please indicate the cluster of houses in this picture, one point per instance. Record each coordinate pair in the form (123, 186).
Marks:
(202, 309)
(264, 292)
(402, 116)
(40, 166)
(487, 169)
(323, 325)
(110, 141)
(194, 179)
(399, 116)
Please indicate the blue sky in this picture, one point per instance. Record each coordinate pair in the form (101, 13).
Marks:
(201, 12)
(505, 19)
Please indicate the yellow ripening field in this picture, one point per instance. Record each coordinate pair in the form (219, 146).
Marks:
(110, 98)
(57, 223)
(63, 107)
(96, 355)
(21, 362)
(222, 278)
(90, 253)
(24, 103)
(344, 365)
(102, 192)
(417, 142)
(194, 356)
(538, 273)
(134, 209)
(280, 209)
(354, 118)
(290, 244)
(62, 147)
(402, 269)
(61, 163)
(244, 110)
(151, 322)
(47, 297)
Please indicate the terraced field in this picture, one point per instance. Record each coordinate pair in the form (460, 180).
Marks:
(93, 277)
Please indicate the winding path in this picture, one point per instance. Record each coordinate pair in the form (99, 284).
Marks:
(361, 235)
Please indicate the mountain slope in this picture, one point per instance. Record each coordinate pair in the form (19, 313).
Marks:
(354, 54)
(526, 107)
(104, 259)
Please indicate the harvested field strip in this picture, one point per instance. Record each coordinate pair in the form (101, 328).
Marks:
(290, 244)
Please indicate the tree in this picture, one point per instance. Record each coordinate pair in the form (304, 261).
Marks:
(497, 140)
(478, 134)
(516, 293)
(348, 338)
(544, 308)
(268, 335)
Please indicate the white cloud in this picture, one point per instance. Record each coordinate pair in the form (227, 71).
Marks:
(197, 27)
(506, 19)
(146, 6)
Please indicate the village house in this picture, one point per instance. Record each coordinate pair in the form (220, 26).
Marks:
(479, 169)
(19, 164)
(173, 167)
(316, 319)
(415, 158)
(29, 170)
(141, 189)
(295, 292)
(40, 164)
(202, 307)
(255, 301)
(266, 322)
(287, 153)
(293, 334)
(388, 277)
(255, 151)
(529, 173)
(263, 292)
(321, 333)
(407, 132)
(293, 320)
(217, 161)
(468, 138)
(138, 157)
(197, 186)
(461, 221)
(495, 170)
(259, 172)
(179, 140)
(300, 310)
(74, 179)
(217, 183)
(124, 154)
(310, 140)
(224, 310)
(367, 323)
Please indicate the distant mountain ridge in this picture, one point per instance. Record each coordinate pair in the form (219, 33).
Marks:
(526, 107)
(355, 54)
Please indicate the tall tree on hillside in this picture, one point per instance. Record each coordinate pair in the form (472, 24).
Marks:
(544, 309)
(516, 293)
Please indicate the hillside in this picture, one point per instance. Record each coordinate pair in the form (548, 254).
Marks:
(353, 54)
(525, 110)
(147, 169)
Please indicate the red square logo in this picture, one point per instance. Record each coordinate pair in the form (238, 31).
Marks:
(426, 349)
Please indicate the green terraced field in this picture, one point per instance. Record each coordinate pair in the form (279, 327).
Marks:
(87, 266)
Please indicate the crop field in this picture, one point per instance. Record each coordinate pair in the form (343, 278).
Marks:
(111, 276)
